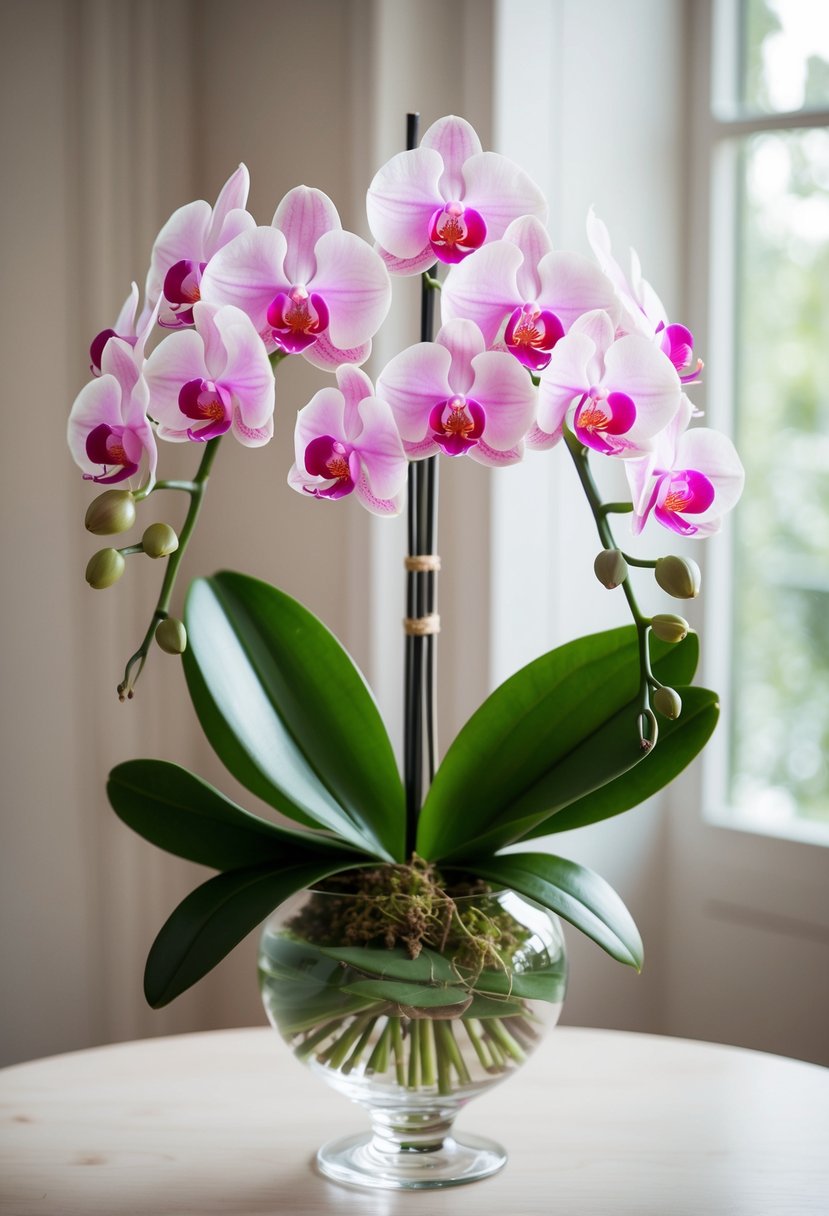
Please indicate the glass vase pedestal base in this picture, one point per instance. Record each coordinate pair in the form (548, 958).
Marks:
(371, 1160)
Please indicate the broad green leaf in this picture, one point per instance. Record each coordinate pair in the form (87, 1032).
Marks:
(184, 815)
(289, 714)
(543, 984)
(216, 916)
(518, 758)
(679, 742)
(428, 968)
(495, 1007)
(416, 996)
(573, 892)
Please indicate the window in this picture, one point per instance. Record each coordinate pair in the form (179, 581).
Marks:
(769, 151)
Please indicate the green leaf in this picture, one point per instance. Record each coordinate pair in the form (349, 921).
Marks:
(216, 916)
(574, 893)
(289, 714)
(679, 742)
(428, 968)
(517, 759)
(542, 984)
(415, 996)
(179, 812)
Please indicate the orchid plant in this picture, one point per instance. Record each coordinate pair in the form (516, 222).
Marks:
(536, 347)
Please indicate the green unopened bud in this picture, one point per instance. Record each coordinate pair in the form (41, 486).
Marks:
(171, 635)
(679, 576)
(159, 540)
(104, 568)
(113, 511)
(667, 702)
(610, 568)
(670, 628)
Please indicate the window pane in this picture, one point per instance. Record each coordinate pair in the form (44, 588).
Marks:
(785, 55)
(780, 699)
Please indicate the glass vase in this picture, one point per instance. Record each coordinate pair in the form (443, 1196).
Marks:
(448, 1003)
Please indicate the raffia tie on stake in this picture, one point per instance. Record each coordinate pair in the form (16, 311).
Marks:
(422, 626)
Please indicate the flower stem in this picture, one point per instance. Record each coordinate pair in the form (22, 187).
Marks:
(195, 489)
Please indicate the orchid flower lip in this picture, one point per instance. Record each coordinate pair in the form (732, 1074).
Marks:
(531, 334)
(328, 458)
(456, 231)
(457, 424)
(297, 318)
(105, 446)
(598, 419)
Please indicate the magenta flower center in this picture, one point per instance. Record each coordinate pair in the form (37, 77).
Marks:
(207, 403)
(683, 492)
(455, 232)
(457, 424)
(600, 420)
(327, 457)
(107, 446)
(297, 319)
(531, 334)
(182, 289)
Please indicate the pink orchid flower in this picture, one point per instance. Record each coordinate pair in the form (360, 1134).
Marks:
(443, 200)
(455, 396)
(618, 392)
(521, 293)
(690, 479)
(309, 287)
(212, 379)
(346, 441)
(109, 434)
(129, 327)
(642, 310)
(187, 242)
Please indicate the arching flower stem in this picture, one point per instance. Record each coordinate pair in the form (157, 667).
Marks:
(196, 490)
(579, 455)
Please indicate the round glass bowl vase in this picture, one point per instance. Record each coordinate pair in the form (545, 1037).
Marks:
(412, 1039)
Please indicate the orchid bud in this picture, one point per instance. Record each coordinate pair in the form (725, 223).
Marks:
(112, 511)
(670, 628)
(667, 702)
(159, 540)
(171, 635)
(104, 568)
(679, 576)
(610, 568)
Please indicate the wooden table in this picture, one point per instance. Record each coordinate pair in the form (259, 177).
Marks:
(599, 1122)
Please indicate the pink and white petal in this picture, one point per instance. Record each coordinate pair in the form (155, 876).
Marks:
(182, 238)
(455, 140)
(171, 434)
(355, 285)
(464, 340)
(206, 325)
(303, 216)
(381, 449)
(636, 367)
(598, 327)
(713, 454)
(493, 458)
(98, 402)
(247, 371)
(501, 191)
(529, 235)
(649, 302)
(236, 222)
(328, 357)
(118, 360)
(421, 450)
(354, 385)
(508, 396)
(377, 506)
(323, 415)
(407, 266)
(413, 382)
(540, 441)
(401, 200)
(484, 288)
(251, 436)
(640, 478)
(564, 378)
(176, 360)
(572, 285)
(125, 323)
(632, 318)
(248, 272)
(233, 196)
